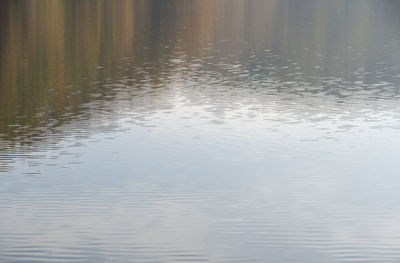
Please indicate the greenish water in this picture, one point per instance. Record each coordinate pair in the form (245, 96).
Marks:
(199, 130)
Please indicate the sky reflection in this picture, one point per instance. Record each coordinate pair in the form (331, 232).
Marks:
(220, 131)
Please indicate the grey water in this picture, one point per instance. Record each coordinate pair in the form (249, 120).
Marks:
(199, 130)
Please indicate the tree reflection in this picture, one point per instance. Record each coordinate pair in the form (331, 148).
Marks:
(57, 56)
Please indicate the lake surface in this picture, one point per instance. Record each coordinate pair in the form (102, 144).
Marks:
(199, 130)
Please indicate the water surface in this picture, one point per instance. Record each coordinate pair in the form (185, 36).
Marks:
(199, 130)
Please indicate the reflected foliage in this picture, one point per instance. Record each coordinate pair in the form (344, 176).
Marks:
(57, 57)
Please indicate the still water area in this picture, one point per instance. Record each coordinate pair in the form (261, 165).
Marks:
(199, 130)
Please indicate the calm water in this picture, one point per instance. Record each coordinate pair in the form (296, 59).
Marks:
(199, 130)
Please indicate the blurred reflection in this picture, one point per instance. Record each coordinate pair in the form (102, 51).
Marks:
(257, 122)
(57, 56)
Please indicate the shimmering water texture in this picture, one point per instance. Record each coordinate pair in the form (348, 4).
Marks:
(199, 130)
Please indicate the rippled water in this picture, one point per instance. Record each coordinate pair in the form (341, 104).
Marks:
(201, 130)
